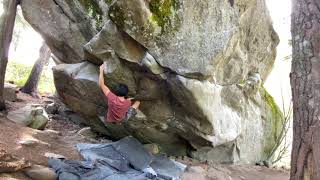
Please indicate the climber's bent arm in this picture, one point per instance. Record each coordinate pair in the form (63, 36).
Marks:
(104, 88)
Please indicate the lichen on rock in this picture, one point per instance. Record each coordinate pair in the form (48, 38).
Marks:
(275, 119)
(94, 11)
(164, 13)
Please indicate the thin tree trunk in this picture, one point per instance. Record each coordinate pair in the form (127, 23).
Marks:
(305, 83)
(31, 86)
(6, 30)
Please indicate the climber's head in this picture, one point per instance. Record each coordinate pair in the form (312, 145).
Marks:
(122, 90)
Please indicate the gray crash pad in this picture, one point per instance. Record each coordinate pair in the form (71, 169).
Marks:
(133, 150)
(121, 160)
(166, 168)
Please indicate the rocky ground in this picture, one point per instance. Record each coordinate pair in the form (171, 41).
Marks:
(25, 151)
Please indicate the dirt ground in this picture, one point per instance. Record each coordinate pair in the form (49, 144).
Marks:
(237, 172)
(60, 137)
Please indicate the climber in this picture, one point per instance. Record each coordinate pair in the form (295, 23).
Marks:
(120, 109)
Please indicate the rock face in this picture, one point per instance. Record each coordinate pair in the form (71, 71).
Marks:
(199, 67)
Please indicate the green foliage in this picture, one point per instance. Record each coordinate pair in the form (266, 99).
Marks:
(108, 1)
(164, 12)
(280, 121)
(287, 58)
(19, 73)
(94, 11)
(46, 84)
(275, 118)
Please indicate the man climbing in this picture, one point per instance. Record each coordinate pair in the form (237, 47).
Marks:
(120, 109)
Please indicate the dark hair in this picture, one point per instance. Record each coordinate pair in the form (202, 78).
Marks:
(122, 90)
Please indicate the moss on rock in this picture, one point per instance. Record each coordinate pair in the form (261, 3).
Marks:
(276, 120)
(164, 13)
(108, 1)
(94, 11)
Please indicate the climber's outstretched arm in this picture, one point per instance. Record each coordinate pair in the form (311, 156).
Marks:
(104, 88)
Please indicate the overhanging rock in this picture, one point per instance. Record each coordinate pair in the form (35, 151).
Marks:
(192, 61)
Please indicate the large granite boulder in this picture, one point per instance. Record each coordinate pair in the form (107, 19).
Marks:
(198, 66)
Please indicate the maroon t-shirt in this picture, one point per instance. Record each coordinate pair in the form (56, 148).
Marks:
(117, 109)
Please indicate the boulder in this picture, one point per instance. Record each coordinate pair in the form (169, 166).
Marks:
(196, 40)
(230, 130)
(82, 78)
(32, 116)
(197, 66)
(10, 92)
(170, 30)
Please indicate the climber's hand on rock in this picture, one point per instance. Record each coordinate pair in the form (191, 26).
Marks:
(101, 67)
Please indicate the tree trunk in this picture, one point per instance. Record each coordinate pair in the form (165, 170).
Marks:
(305, 83)
(6, 28)
(31, 86)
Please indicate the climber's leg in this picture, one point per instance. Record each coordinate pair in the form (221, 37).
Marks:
(132, 111)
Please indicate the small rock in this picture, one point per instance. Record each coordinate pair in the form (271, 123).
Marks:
(29, 142)
(260, 163)
(33, 142)
(31, 115)
(52, 108)
(38, 172)
(87, 132)
(267, 164)
(196, 169)
(152, 148)
(52, 155)
(10, 92)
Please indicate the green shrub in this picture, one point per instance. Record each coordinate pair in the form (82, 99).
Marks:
(19, 73)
